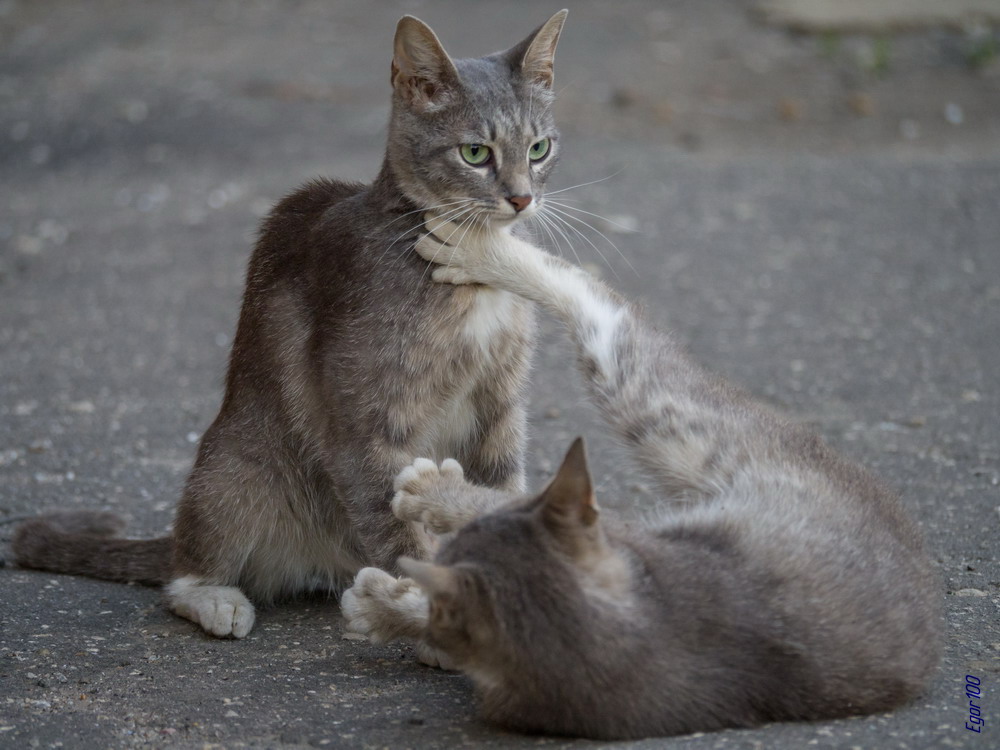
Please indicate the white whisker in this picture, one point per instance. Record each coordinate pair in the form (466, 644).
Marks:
(565, 218)
(466, 216)
(550, 221)
(446, 215)
(584, 184)
(596, 216)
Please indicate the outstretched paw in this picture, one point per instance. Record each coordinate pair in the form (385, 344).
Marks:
(426, 493)
(384, 607)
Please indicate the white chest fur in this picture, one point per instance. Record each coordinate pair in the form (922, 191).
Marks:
(491, 314)
(492, 311)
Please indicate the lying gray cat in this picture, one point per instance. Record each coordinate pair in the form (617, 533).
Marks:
(784, 583)
(349, 361)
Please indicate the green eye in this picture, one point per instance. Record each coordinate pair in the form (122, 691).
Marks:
(539, 150)
(475, 153)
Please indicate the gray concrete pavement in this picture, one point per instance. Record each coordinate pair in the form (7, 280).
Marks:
(819, 231)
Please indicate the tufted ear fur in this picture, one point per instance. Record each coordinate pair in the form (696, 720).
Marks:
(536, 54)
(422, 73)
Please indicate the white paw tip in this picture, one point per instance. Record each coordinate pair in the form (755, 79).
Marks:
(452, 467)
(404, 477)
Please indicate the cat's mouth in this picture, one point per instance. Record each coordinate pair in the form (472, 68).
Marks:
(506, 212)
(498, 214)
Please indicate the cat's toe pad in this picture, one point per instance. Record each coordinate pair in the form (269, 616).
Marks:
(382, 606)
(420, 493)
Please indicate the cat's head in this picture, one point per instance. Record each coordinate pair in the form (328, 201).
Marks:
(510, 592)
(473, 138)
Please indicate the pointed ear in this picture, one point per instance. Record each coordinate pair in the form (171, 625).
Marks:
(447, 613)
(568, 502)
(433, 579)
(536, 54)
(422, 72)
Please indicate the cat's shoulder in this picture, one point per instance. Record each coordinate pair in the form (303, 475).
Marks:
(311, 202)
(302, 226)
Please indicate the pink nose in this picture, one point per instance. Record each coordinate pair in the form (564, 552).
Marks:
(519, 202)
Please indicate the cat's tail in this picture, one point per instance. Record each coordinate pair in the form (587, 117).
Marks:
(86, 543)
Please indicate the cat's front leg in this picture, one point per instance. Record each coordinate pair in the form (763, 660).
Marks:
(220, 610)
(386, 608)
(440, 497)
(464, 254)
(483, 255)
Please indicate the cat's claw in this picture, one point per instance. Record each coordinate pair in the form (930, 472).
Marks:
(422, 489)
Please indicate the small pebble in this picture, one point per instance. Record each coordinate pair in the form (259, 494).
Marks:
(970, 592)
(953, 114)
(789, 109)
(40, 446)
(909, 129)
(40, 154)
(82, 407)
(624, 97)
(863, 105)
(19, 130)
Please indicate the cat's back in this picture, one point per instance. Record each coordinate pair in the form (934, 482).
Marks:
(289, 231)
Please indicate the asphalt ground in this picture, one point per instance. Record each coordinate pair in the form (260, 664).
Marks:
(817, 217)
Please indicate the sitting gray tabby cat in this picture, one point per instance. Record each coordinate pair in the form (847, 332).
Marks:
(785, 583)
(349, 360)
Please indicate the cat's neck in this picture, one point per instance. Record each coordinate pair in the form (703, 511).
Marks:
(387, 194)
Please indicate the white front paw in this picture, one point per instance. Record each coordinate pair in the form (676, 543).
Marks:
(220, 610)
(382, 606)
(420, 493)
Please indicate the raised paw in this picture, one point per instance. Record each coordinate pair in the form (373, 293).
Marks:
(426, 493)
(462, 249)
(384, 607)
(435, 250)
(221, 610)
